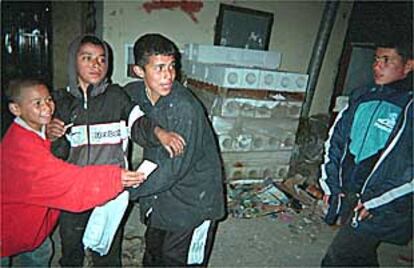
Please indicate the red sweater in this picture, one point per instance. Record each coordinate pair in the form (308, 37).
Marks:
(35, 185)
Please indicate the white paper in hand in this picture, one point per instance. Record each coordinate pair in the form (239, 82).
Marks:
(146, 167)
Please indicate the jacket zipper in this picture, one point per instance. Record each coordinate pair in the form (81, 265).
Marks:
(85, 107)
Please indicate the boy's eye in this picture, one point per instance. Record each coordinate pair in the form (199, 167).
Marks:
(102, 60)
(86, 58)
(382, 59)
(162, 68)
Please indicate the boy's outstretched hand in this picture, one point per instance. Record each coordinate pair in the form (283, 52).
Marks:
(132, 178)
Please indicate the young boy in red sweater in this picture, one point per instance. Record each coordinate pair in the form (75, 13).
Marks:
(34, 183)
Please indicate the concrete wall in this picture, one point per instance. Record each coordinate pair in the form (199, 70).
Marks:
(296, 24)
(67, 18)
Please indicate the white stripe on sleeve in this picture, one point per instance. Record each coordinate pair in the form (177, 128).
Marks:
(134, 115)
(390, 196)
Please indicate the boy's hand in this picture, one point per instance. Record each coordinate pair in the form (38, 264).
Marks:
(132, 178)
(171, 141)
(55, 129)
(326, 198)
(363, 212)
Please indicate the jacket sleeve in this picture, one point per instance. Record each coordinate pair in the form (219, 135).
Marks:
(143, 131)
(170, 170)
(61, 146)
(335, 148)
(141, 128)
(57, 184)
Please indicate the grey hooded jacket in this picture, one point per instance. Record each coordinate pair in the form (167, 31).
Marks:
(101, 119)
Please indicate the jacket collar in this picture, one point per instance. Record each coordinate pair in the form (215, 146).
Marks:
(405, 84)
(42, 133)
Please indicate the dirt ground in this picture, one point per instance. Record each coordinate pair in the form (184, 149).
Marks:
(285, 240)
(266, 242)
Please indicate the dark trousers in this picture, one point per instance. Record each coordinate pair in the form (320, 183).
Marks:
(351, 248)
(171, 248)
(71, 229)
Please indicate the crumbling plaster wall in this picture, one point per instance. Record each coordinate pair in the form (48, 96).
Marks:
(295, 28)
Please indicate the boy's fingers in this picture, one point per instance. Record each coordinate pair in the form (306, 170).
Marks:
(363, 214)
(55, 127)
(133, 178)
(56, 123)
(180, 139)
(169, 150)
(359, 206)
(178, 144)
(177, 147)
(326, 199)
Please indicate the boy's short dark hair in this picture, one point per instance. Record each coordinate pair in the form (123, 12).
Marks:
(90, 39)
(16, 86)
(153, 44)
(403, 48)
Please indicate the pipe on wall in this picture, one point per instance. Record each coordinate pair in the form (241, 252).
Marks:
(318, 53)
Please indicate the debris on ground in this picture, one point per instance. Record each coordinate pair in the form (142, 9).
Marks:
(251, 199)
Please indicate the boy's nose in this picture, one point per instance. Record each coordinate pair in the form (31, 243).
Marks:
(48, 106)
(168, 74)
(96, 63)
(378, 64)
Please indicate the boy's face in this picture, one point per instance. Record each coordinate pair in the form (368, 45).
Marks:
(35, 106)
(91, 65)
(158, 74)
(389, 66)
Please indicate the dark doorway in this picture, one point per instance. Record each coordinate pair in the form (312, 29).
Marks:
(26, 45)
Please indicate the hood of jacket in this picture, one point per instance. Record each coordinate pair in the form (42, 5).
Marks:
(73, 86)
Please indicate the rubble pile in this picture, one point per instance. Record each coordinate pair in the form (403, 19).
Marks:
(250, 200)
(271, 156)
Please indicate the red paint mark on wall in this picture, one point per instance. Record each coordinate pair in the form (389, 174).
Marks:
(189, 7)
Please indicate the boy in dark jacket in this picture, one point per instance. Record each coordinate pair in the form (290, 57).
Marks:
(92, 123)
(184, 200)
(34, 184)
(367, 175)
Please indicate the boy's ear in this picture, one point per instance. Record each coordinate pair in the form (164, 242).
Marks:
(14, 108)
(138, 71)
(409, 66)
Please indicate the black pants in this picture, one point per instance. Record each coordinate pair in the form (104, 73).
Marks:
(351, 248)
(167, 248)
(72, 227)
